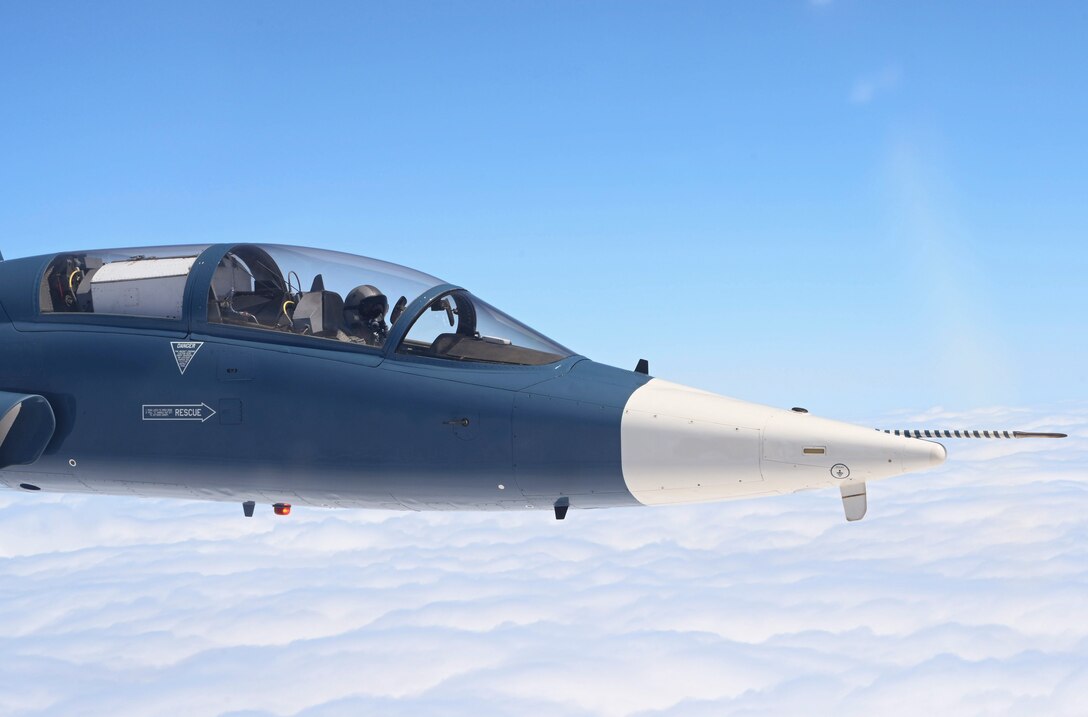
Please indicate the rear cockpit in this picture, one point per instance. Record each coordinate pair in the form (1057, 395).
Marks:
(134, 282)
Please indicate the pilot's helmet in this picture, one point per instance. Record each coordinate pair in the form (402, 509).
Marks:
(365, 303)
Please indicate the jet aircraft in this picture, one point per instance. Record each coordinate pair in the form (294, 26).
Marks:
(281, 375)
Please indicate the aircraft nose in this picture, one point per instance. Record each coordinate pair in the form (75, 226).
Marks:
(920, 455)
(679, 444)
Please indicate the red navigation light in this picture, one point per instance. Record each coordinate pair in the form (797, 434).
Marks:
(282, 508)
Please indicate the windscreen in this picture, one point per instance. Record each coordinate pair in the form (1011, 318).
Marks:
(461, 327)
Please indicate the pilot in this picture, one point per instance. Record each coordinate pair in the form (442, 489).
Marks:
(364, 314)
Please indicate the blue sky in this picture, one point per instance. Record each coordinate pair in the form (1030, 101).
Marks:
(849, 206)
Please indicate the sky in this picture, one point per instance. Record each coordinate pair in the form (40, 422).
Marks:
(874, 210)
(848, 206)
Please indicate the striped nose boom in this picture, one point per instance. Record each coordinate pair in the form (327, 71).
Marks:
(944, 433)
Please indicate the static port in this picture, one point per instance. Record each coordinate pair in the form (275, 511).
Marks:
(28, 486)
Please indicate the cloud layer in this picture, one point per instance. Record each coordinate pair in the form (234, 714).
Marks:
(962, 592)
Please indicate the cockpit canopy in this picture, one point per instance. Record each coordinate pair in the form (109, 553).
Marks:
(312, 294)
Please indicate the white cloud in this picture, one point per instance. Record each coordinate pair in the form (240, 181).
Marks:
(961, 592)
(867, 88)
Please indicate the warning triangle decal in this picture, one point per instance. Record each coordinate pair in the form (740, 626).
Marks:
(184, 351)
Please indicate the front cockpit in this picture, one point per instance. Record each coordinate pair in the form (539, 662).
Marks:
(312, 293)
(293, 294)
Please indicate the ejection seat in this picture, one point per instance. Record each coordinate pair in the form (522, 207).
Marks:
(319, 312)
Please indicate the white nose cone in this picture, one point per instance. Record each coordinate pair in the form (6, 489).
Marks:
(683, 445)
(920, 455)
